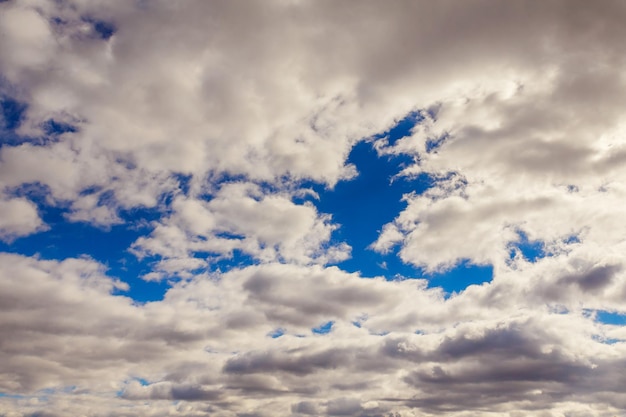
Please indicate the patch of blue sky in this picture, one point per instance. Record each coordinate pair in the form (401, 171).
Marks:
(276, 333)
(12, 114)
(142, 382)
(363, 205)
(402, 128)
(13, 396)
(108, 246)
(237, 259)
(184, 182)
(323, 328)
(53, 127)
(221, 178)
(433, 144)
(606, 341)
(460, 277)
(570, 240)
(608, 317)
(103, 29)
(64, 239)
(532, 250)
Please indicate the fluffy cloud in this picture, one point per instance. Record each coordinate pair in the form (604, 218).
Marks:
(213, 116)
(501, 175)
(240, 216)
(207, 346)
(18, 217)
(535, 151)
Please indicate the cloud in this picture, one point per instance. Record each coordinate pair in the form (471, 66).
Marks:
(241, 216)
(18, 217)
(217, 118)
(168, 391)
(205, 345)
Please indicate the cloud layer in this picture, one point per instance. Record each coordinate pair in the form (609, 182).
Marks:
(393, 346)
(206, 126)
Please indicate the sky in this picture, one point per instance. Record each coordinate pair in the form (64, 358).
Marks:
(312, 208)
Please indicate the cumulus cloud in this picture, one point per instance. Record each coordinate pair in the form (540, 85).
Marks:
(524, 152)
(240, 216)
(18, 217)
(215, 118)
(207, 345)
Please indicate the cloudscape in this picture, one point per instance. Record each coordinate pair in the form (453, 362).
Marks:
(312, 208)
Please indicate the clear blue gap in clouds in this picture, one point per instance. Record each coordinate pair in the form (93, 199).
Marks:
(276, 333)
(323, 328)
(363, 205)
(460, 277)
(142, 382)
(532, 250)
(12, 113)
(101, 29)
(69, 240)
(108, 246)
(608, 317)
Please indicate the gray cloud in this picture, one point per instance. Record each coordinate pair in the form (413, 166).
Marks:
(74, 332)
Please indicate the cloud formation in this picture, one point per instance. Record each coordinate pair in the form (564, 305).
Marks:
(207, 346)
(208, 129)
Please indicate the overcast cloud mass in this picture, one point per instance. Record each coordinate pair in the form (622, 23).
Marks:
(189, 224)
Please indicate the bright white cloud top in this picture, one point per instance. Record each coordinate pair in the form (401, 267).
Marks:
(312, 208)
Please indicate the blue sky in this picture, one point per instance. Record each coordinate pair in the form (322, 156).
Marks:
(361, 206)
(312, 208)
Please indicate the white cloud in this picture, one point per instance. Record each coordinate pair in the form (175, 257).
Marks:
(25, 27)
(240, 216)
(212, 113)
(76, 348)
(18, 217)
(537, 156)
